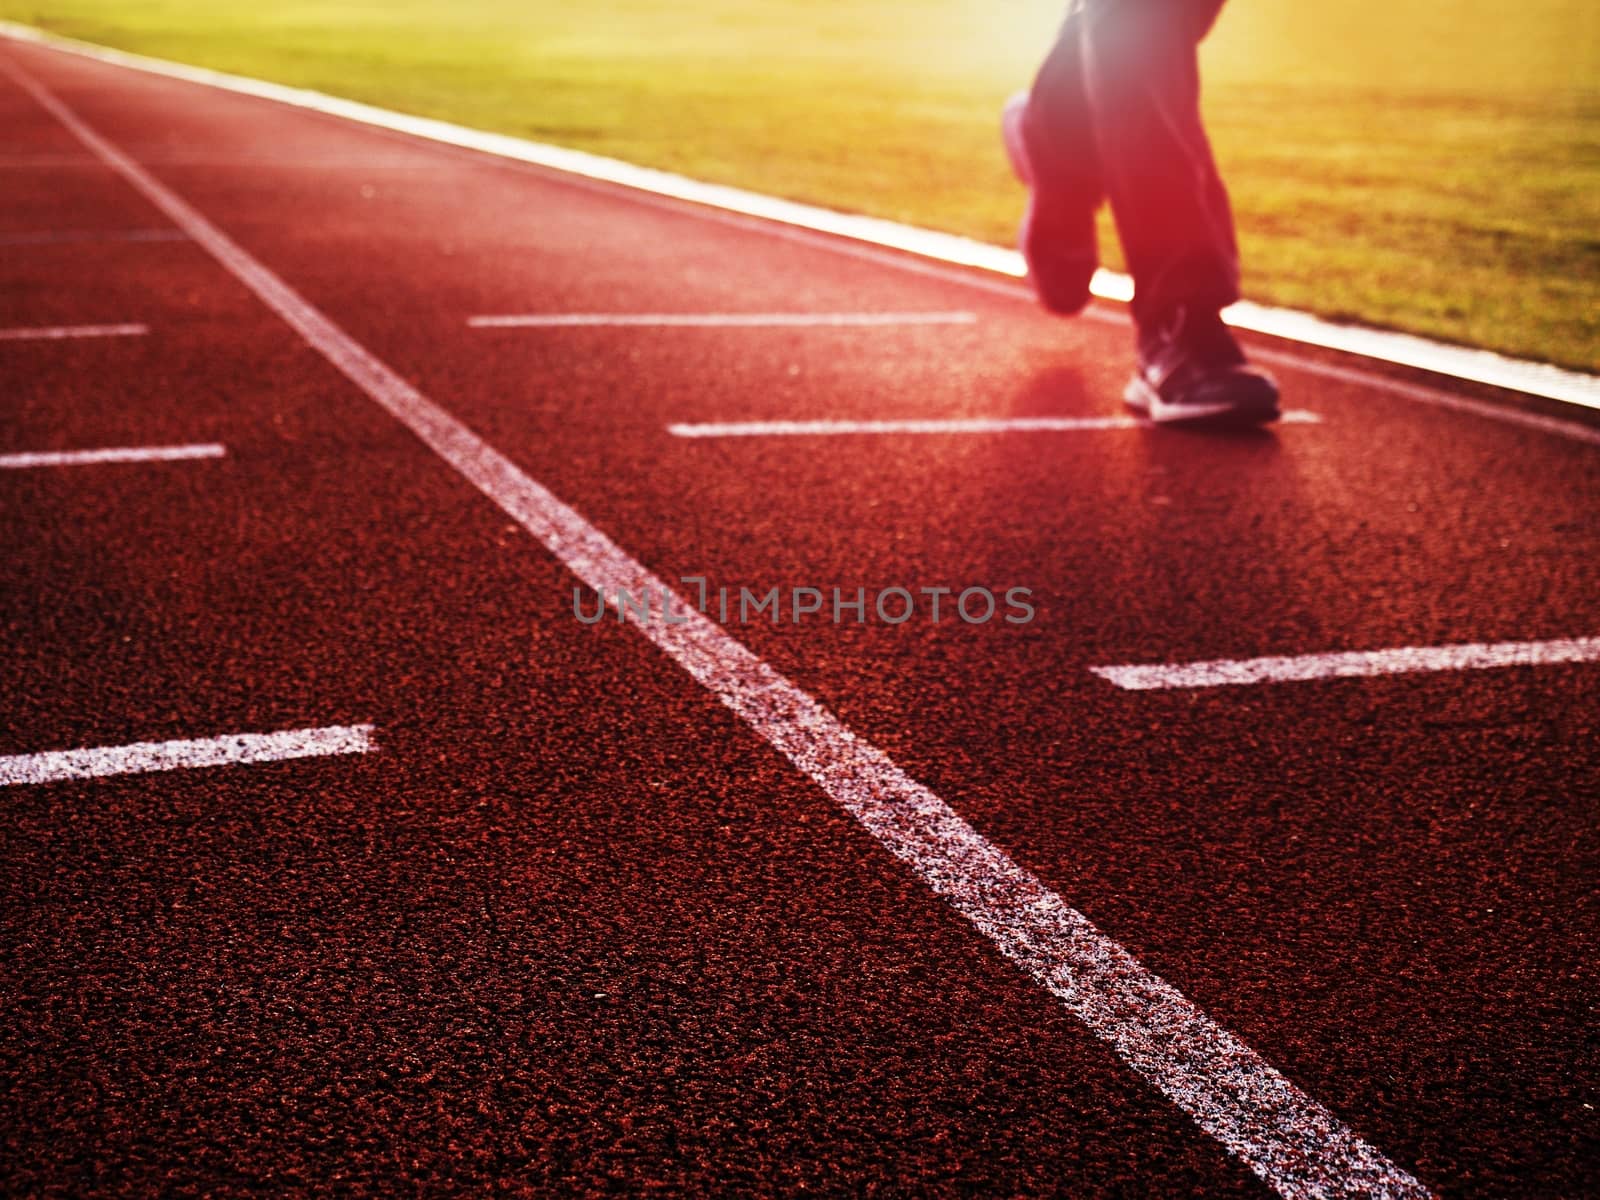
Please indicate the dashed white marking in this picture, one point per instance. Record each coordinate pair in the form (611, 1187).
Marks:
(123, 454)
(866, 320)
(1473, 656)
(953, 426)
(63, 237)
(1292, 1142)
(58, 332)
(142, 757)
(1478, 366)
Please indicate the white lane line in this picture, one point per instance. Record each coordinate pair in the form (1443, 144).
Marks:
(954, 426)
(57, 332)
(1506, 415)
(124, 454)
(868, 320)
(1472, 656)
(1293, 1143)
(142, 757)
(65, 237)
(1478, 366)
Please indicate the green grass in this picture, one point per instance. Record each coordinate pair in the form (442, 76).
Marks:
(1430, 165)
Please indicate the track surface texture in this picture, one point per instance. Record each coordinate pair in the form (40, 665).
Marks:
(569, 921)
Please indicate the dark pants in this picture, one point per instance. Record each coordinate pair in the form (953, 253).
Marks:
(1115, 115)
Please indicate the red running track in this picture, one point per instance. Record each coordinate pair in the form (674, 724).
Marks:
(573, 925)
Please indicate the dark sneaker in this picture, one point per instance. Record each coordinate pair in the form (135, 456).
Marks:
(1191, 369)
(1059, 247)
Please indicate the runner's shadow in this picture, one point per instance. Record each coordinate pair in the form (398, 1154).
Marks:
(1056, 392)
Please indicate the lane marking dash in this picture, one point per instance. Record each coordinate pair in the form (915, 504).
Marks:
(141, 758)
(58, 332)
(122, 454)
(1471, 656)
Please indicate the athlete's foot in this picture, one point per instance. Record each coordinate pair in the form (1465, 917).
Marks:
(1191, 370)
(1057, 238)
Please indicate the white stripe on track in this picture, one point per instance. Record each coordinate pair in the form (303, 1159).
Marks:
(1473, 656)
(1292, 1142)
(143, 757)
(953, 426)
(866, 320)
(57, 332)
(127, 454)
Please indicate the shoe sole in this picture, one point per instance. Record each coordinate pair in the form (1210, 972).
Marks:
(1254, 402)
